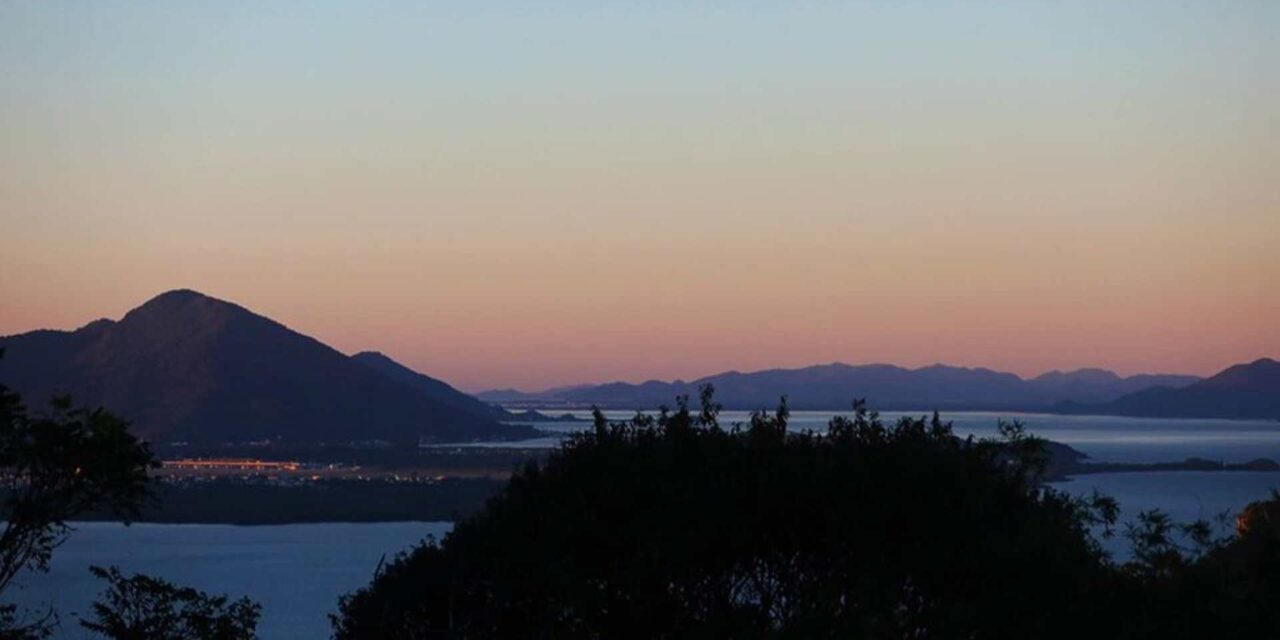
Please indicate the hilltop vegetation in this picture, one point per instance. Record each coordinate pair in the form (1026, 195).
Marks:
(678, 526)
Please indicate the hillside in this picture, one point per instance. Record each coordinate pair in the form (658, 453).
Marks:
(430, 387)
(1249, 390)
(187, 367)
(834, 386)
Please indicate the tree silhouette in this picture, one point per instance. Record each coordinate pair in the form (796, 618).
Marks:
(139, 607)
(65, 462)
(676, 526)
(53, 466)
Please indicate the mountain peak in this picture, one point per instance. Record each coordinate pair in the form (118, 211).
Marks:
(186, 366)
(98, 325)
(1262, 374)
(1093, 375)
(1250, 390)
(183, 307)
(177, 297)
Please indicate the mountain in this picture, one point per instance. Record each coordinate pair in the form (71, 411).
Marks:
(1099, 385)
(515, 396)
(188, 367)
(430, 387)
(1242, 391)
(834, 386)
(441, 391)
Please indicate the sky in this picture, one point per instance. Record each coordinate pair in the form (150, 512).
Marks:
(534, 194)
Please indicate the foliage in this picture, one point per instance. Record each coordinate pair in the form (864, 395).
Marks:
(54, 466)
(145, 608)
(677, 526)
(1183, 582)
(26, 626)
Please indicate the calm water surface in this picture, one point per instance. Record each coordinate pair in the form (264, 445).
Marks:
(296, 572)
(1185, 495)
(1103, 438)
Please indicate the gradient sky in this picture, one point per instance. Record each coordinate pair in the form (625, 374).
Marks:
(531, 194)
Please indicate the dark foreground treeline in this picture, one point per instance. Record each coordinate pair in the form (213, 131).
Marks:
(384, 498)
(675, 527)
(242, 501)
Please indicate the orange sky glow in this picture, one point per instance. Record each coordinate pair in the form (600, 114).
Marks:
(551, 196)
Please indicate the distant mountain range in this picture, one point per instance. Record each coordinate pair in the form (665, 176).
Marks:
(1243, 391)
(187, 367)
(888, 387)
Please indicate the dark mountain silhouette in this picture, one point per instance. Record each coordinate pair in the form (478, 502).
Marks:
(552, 396)
(1100, 385)
(1242, 391)
(430, 387)
(187, 367)
(445, 393)
(834, 386)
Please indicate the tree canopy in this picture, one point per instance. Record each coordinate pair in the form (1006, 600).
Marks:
(677, 526)
(54, 465)
(70, 460)
(140, 607)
